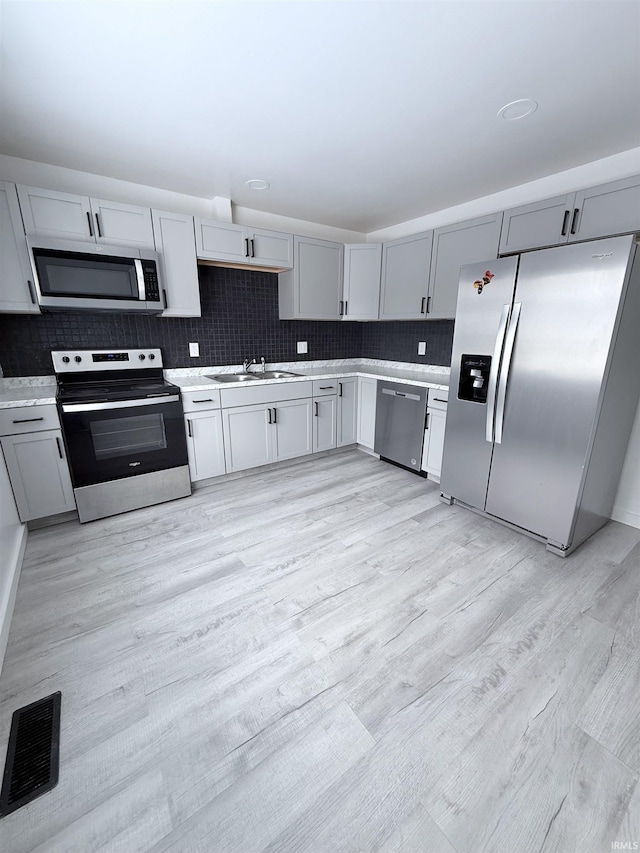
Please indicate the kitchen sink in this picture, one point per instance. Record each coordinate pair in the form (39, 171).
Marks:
(252, 377)
(276, 374)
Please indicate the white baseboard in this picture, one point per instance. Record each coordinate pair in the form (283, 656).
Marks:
(7, 604)
(626, 517)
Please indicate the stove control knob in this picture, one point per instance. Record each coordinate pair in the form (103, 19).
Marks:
(78, 358)
(141, 356)
(66, 359)
(151, 356)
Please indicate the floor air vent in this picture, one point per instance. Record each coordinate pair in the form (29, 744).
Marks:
(33, 755)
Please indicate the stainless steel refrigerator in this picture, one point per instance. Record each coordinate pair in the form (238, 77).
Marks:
(545, 380)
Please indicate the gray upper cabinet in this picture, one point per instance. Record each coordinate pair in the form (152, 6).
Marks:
(607, 210)
(175, 243)
(362, 270)
(453, 246)
(405, 277)
(47, 213)
(312, 290)
(543, 223)
(225, 241)
(17, 294)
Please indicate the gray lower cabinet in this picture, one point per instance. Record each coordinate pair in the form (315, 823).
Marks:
(39, 473)
(405, 277)
(324, 423)
(259, 434)
(347, 413)
(453, 246)
(367, 400)
(175, 243)
(600, 211)
(205, 446)
(434, 433)
(312, 290)
(17, 293)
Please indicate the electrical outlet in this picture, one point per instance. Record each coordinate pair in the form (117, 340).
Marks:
(422, 347)
(302, 347)
(194, 350)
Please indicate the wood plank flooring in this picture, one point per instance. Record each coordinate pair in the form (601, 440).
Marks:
(324, 657)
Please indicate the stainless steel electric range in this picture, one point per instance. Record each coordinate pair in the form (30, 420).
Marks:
(123, 427)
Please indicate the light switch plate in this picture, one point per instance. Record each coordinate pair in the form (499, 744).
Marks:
(194, 350)
(422, 347)
(302, 347)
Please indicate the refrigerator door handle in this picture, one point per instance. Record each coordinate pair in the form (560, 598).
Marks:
(504, 372)
(493, 373)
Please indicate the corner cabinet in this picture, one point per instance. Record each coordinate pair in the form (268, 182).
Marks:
(175, 243)
(17, 293)
(312, 290)
(454, 246)
(405, 277)
(230, 243)
(367, 400)
(347, 414)
(600, 211)
(361, 291)
(48, 213)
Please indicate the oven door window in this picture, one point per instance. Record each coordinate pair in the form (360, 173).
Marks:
(111, 444)
(133, 435)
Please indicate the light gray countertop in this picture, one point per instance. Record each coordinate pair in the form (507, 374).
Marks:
(30, 395)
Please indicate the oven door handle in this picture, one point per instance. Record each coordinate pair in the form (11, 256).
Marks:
(119, 404)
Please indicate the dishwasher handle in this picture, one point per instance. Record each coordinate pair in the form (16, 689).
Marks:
(405, 394)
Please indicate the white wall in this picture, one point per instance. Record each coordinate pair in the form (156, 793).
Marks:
(13, 536)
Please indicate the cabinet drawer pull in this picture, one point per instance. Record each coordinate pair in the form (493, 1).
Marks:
(423, 304)
(326, 387)
(189, 433)
(340, 387)
(438, 400)
(565, 222)
(98, 225)
(59, 448)
(32, 292)
(246, 247)
(315, 405)
(27, 420)
(207, 400)
(90, 225)
(574, 221)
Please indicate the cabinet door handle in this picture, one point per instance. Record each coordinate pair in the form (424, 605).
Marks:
(346, 307)
(164, 299)
(246, 247)
(90, 225)
(428, 304)
(423, 304)
(426, 423)
(565, 222)
(269, 421)
(340, 387)
(98, 225)
(574, 221)
(315, 406)
(275, 420)
(341, 308)
(27, 420)
(32, 292)
(189, 433)
(60, 453)
(253, 248)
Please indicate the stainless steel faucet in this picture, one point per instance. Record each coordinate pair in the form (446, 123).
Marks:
(246, 364)
(264, 364)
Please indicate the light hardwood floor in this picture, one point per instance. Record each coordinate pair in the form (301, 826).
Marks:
(324, 657)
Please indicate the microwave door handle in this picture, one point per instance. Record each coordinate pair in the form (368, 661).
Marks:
(140, 277)
(493, 373)
(506, 366)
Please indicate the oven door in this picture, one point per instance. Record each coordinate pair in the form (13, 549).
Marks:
(112, 440)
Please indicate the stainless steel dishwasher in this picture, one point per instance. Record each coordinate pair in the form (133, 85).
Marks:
(400, 416)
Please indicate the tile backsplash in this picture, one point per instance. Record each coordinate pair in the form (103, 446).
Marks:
(239, 320)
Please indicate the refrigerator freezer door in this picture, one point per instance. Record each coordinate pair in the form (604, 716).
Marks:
(481, 322)
(570, 299)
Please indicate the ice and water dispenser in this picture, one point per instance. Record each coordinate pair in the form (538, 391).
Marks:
(474, 378)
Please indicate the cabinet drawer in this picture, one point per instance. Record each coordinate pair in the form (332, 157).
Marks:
(438, 400)
(28, 419)
(199, 401)
(322, 387)
(267, 394)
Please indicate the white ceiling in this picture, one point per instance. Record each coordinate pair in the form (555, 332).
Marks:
(359, 114)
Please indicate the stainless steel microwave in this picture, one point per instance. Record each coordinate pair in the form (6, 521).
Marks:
(95, 277)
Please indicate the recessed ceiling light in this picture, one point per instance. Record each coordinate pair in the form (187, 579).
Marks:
(258, 184)
(518, 109)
